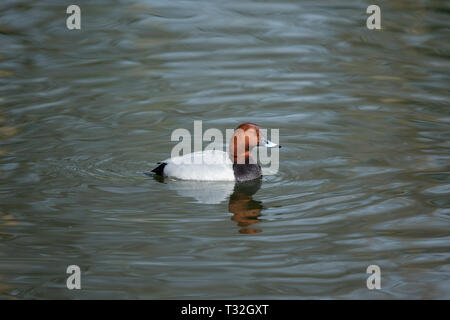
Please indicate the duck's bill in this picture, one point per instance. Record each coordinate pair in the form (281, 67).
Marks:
(270, 144)
(264, 142)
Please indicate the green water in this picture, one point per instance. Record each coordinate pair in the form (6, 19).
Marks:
(364, 173)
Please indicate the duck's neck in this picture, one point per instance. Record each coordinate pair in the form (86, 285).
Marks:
(243, 158)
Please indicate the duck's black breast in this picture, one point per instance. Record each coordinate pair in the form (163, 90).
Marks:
(246, 172)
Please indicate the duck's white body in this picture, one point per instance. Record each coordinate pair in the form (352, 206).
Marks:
(209, 165)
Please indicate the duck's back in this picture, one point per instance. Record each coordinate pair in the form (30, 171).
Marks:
(209, 165)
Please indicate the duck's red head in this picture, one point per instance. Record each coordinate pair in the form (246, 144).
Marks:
(245, 137)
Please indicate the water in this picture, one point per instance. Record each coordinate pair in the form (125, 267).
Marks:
(364, 170)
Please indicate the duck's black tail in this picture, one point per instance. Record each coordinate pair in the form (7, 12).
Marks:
(159, 170)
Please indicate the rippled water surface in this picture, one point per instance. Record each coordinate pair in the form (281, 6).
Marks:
(364, 174)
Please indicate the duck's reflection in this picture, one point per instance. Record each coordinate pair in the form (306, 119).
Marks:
(246, 210)
(207, 192)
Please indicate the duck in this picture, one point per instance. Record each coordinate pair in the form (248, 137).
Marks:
(217, 165)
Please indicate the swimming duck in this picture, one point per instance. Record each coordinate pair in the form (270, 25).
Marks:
(216, 165)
